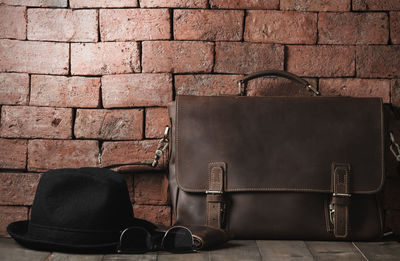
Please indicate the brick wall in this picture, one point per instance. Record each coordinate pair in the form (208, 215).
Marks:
(80, 78)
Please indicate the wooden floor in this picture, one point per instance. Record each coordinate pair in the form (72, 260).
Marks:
(233, 250)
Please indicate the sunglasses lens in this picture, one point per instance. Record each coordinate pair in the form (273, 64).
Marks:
(178, 239)
(135, 240)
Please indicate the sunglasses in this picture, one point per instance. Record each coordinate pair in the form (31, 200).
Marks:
(138, 240)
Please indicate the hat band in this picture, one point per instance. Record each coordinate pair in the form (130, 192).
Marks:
(72, 236)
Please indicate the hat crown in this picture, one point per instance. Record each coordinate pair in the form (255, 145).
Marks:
(91, 199)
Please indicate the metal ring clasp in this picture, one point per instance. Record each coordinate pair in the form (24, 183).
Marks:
(394, 147)
(312, 89)
(162, 146)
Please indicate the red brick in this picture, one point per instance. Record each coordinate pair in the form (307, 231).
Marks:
(156, 120)
(128, 151)
(102, 3)
(12, 22)
(39, 3)
(356, 88)
(281, 27)
(207, 84)
(61, 91)
(18, 188)
(109, 124)
(316, 5)
(75, 25)
(36, 122)
(151, 189)
(9, 214)
(209, 25)
(245, 4)
(174, 3)
(395, 92)
(376, 5)
(34, 57)
(353, 28)
(134, 24)
(14, 88)
(322, 60)
(154, 214)
(177, 57)
(395, 27)
(136, 90)
(52, 154)
(243, 58)
(278, 87)
(378, 61)
(13, 154)
(105, 58)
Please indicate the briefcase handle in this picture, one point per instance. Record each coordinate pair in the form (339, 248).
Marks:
(277, 73)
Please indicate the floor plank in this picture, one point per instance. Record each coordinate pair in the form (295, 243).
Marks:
(200, 256)
(380, 250)
(245, 250)
(332, 251)
(123, 257)
(233, 250)
(284, 250)
(73, 257)
(11, 251)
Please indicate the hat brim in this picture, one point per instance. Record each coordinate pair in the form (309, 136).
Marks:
(19, 231)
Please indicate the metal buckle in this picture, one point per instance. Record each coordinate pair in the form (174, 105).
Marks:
(332, 209)
(341, 195)
(222, 211)
(214, 192)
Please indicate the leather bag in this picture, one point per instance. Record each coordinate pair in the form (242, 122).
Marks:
(307, 168)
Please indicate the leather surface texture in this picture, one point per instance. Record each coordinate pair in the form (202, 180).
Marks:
(278, 154)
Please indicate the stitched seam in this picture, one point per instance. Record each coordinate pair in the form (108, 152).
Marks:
(335, 227)
(346, 231)
(219, 207)
(208, 214)
(277, 189)
(177, 162)
(382, 148)
(203, 190)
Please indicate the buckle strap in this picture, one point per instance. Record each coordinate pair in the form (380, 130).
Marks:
(340, 202)
(216, 178)
(215, 200)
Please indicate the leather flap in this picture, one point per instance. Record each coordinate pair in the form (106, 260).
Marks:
(278, 143)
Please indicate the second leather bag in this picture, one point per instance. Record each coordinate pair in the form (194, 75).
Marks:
(279, 167)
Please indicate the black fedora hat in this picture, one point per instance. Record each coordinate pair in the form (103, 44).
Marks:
(76, 210)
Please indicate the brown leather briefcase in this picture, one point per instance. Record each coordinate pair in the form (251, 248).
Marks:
(279, 167)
